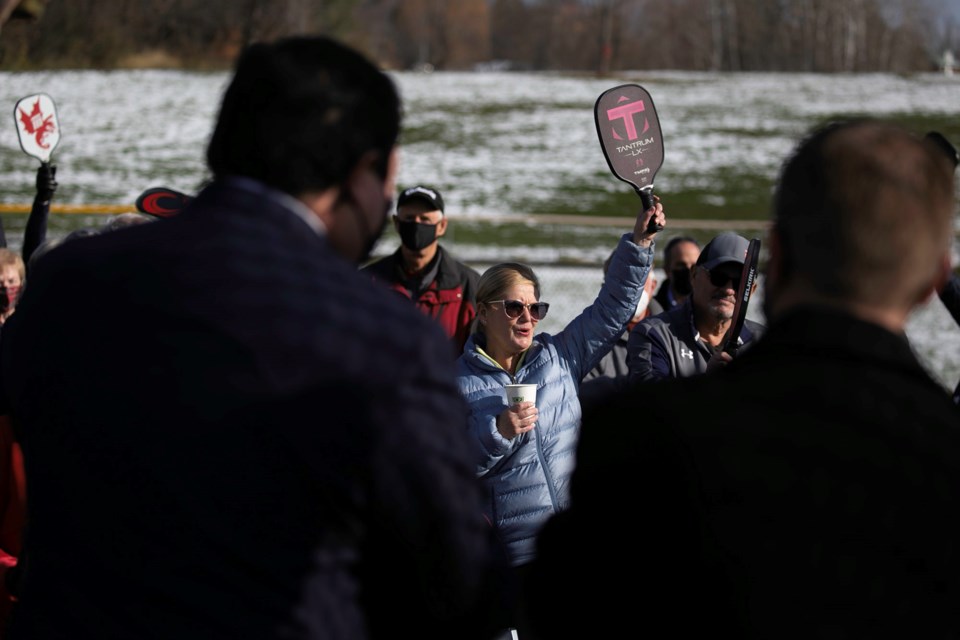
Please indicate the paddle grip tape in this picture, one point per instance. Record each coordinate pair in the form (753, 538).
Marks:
(646, 199)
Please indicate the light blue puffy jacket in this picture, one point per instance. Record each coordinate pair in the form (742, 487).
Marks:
(527, 478)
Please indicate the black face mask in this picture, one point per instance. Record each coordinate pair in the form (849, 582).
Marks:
(680, 280)
(416, 235)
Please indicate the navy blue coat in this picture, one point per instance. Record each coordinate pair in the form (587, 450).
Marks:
(222, 441)
(668, 345)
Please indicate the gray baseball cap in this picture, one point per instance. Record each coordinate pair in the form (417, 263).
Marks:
(726, 247)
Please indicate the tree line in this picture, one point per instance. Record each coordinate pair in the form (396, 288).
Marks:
(577, 35)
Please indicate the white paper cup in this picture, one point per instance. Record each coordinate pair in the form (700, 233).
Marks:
(521, 393)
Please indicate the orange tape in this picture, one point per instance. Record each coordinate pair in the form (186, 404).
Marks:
(82, 209)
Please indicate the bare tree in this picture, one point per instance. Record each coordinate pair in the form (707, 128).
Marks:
(512, 36)
(597, 35)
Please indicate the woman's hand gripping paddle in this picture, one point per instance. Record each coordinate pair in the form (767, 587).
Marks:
(630, 137)
(37, 126)
(747, 279)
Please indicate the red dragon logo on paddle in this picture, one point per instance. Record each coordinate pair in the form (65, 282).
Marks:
(38, 125)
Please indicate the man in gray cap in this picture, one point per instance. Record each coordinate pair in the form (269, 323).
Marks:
(689, 338)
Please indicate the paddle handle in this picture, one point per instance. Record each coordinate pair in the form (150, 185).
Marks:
(646, 200)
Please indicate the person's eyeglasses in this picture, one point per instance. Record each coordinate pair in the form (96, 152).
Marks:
(514, 308)
(719, 278)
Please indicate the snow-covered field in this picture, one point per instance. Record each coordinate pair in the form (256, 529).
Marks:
(535, 132)
(492, 139)
(492, 142)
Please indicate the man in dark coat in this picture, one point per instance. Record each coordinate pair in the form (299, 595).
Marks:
(224, 442)
(810, 489)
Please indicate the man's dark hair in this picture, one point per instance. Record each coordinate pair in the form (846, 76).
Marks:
(301, 112)
(674, 242)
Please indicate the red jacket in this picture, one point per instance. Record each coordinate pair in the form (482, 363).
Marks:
(12, 512)
(450, 299)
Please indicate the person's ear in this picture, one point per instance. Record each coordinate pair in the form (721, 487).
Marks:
(358, 180)
(940, 279)
(322, 204)
(330, 203)
(442, 226)
(365, 186)
(944, 272)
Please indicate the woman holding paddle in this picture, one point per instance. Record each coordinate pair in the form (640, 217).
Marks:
(524, 452)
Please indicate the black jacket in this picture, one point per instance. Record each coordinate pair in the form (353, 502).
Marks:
(668, 345)
(810, 489)
(663, 295)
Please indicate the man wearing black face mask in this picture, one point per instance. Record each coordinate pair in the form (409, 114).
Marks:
(679, 256)
(420, 269)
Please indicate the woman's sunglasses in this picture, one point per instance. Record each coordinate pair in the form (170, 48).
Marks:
(514, 308)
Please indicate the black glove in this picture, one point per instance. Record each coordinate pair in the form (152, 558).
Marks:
(46, 181)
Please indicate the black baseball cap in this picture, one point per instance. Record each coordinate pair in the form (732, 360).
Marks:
(420, 192)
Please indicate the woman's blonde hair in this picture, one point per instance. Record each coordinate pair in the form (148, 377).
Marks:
(496, 280)
(10, 258)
